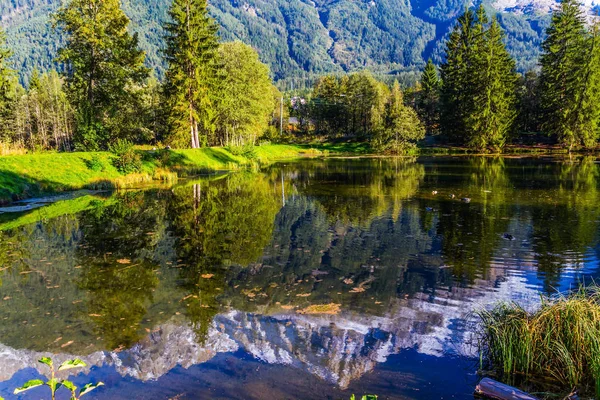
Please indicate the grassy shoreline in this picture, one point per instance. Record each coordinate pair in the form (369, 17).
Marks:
(32, 175)
(25, 176)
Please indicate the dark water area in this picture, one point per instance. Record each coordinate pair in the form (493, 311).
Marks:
(312, 279)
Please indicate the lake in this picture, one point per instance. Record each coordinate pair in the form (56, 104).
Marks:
(312, 279)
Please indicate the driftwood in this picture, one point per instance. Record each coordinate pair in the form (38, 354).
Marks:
(491, 389)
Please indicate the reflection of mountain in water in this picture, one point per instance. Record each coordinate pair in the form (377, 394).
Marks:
(175, 277)
(338, 348)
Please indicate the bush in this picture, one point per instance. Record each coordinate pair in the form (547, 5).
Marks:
(128, 161)
(95, 164)
(247, 151)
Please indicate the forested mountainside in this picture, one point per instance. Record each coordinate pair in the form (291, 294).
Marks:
(296, 37)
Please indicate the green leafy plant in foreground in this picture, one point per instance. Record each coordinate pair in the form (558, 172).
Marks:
(54, 384)
(365, 397)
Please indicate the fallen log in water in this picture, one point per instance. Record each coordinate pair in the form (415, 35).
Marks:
(491, 389)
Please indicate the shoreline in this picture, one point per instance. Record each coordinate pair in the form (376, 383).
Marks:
(36, 175)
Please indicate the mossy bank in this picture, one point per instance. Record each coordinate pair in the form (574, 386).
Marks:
(31, 175)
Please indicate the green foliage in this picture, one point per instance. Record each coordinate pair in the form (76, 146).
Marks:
(54, 384)
(128, 160)
(365, 397)
(352, 105)
(246, 96)
(9, 92)
(298, 40)
(560, 341)
(401, 128)
(570, 78)
(193, 73)
(103, 67)
(428, 98)
(479, 82)
(247, 151)
(95, 163)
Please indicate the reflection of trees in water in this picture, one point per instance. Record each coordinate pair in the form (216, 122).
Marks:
(563, 233)
(364, 223)
(118, 298)
(471, 232)
(117, 259)
(217, 225)
(355, 192)
(37, 294)
(361, 268)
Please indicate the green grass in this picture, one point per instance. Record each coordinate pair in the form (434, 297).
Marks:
(30, 175)
(558, 344)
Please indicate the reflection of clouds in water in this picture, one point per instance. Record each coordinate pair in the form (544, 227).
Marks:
(339, 348)
(429, 271)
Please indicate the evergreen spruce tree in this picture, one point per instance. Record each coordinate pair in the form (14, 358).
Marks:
(191, 81)
(8, 95)
(478, 84)
(102, 62)
(457, 80)
(494, 111)
(429, 97)
(565, 62)
(586, 127)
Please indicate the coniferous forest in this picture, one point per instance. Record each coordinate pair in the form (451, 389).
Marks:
(102, 94)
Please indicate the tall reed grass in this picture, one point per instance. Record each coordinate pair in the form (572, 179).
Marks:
(559, 341)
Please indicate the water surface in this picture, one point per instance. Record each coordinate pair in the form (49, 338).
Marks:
(311, 280)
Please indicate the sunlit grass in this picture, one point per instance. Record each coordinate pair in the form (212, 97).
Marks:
(560, 341)
(23, 176)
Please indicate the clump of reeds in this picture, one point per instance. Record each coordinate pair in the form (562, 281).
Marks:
(560, 341)
(165, 175)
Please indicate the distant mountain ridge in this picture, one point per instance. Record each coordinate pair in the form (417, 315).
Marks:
(303, 37)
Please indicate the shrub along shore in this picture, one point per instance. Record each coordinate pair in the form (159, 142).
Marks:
(32, 175)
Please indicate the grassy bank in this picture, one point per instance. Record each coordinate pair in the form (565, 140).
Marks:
(25, 176)
(556, 348)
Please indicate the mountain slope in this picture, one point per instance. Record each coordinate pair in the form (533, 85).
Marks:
(296, 37)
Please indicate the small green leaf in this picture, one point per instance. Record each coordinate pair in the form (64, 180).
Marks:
(69, 385)
(29, 385)
(47, 361)
(89, 387)
(54, 384)
(76, 363)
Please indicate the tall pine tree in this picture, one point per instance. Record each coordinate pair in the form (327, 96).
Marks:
(429, 97)
(191, 80)
(566, 61)
(102, 63)
(494, 106)
(478, 84)
(8, 92)
(457, 80)
(587, 123)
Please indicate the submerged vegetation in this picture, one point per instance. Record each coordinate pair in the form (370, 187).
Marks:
(557, 345)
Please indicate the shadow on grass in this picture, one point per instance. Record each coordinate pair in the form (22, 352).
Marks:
(15, 187)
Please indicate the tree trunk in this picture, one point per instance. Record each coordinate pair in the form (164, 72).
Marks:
(491, 389)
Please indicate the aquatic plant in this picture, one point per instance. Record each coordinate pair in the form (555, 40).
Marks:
(560, 341)
(54, 384)
(365, 397)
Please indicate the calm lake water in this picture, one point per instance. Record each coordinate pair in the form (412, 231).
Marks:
(313, 279)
